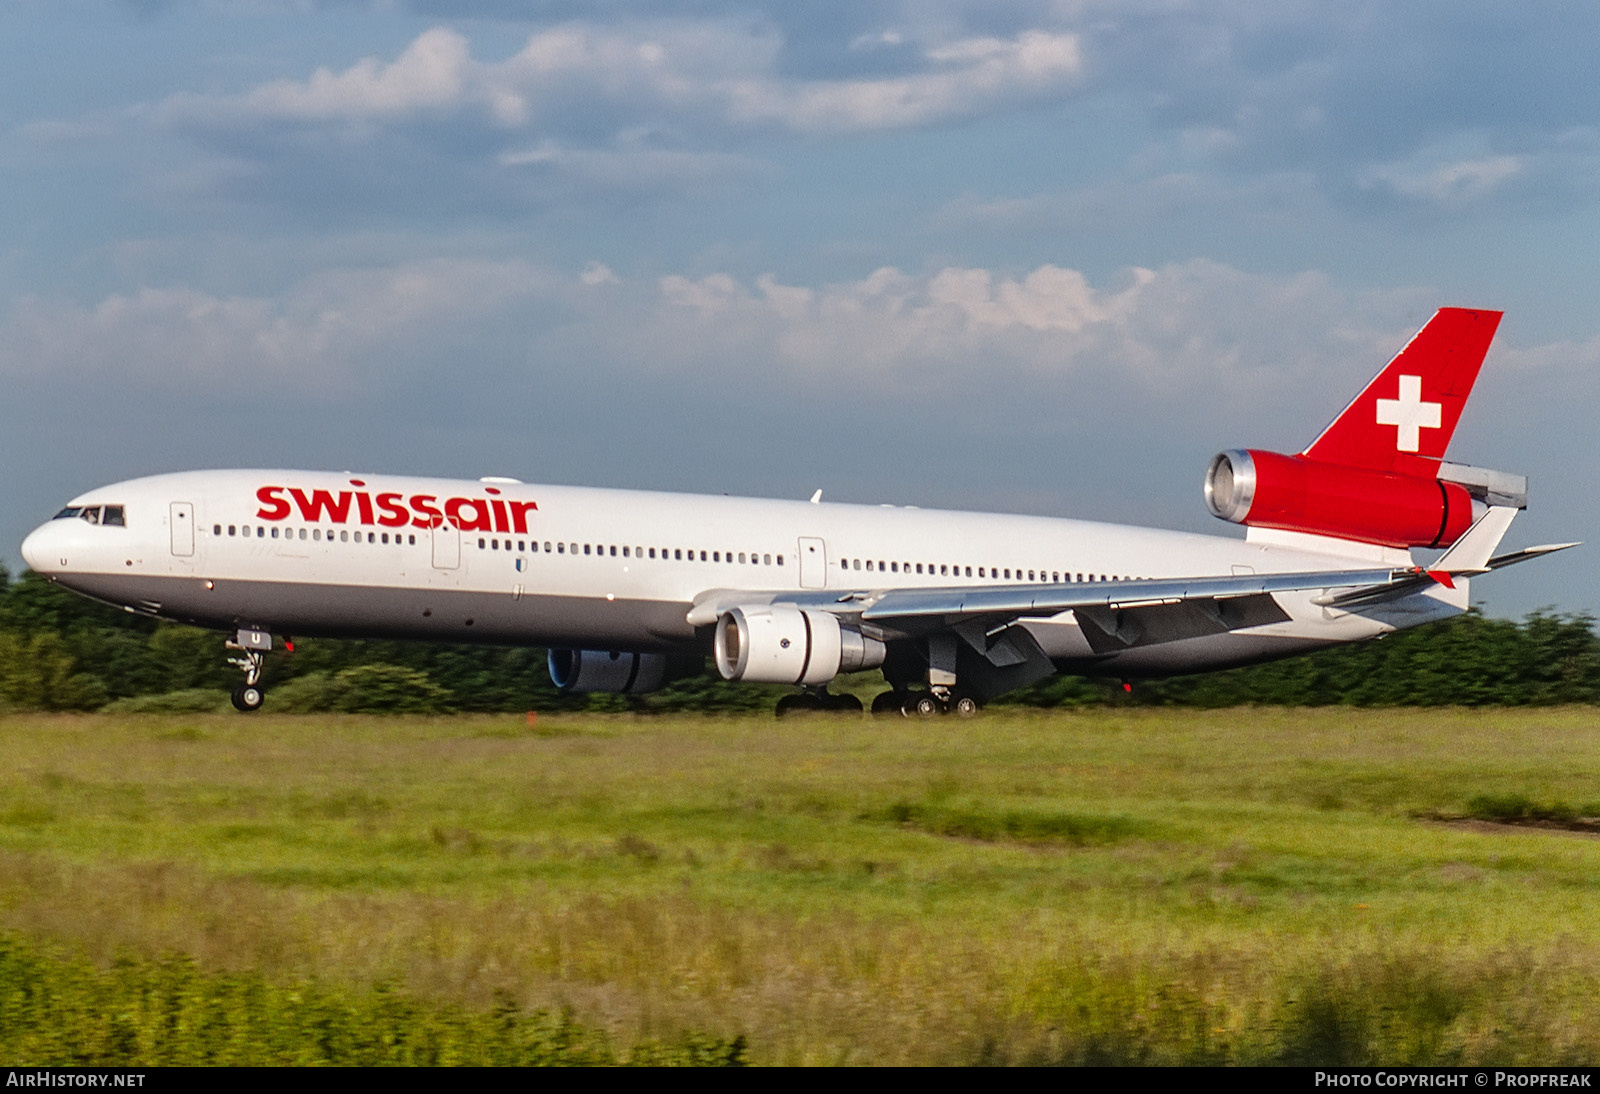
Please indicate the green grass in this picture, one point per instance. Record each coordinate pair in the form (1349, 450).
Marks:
(1137, 885)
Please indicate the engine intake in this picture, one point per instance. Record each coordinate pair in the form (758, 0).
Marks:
(1297, 494)
(607, 670)
(790, 646)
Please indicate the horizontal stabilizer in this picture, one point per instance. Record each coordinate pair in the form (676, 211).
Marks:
(1502, 561)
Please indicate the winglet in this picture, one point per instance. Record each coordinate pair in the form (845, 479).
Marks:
(1472, 552)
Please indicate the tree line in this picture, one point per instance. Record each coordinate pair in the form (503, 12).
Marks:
(59, 651)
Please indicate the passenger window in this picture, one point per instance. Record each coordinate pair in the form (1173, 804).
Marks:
(344, 537)
(261, 533)
(702, 556)
(766, 560)
(274, 533)
(780, 560)
(216, 529)
(613, 551)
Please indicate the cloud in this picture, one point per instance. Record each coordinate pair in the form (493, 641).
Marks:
(693, 73)
(1267, 358)
(431, 74)
(631, 167)
(1456, 182)
(331, 333)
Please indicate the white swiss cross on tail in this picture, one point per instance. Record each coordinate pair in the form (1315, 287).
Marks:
(1409, 414)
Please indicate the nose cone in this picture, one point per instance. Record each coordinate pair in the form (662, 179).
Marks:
(39, 553)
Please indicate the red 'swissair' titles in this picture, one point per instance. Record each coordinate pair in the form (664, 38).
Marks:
(395, 510)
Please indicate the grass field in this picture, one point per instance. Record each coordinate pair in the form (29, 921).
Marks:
(1142, 886)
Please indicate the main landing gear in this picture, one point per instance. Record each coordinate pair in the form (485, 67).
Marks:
(818, 699)
(253, 647)
(927, 704)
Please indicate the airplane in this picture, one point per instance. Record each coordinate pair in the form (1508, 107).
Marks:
(629, 589)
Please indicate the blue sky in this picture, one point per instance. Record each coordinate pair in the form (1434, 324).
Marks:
(1045, 257)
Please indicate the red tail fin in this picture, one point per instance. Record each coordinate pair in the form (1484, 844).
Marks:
(1402, 421)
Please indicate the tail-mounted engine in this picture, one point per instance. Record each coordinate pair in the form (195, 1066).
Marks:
(1297, 494)
(607, 670)
(790, 646)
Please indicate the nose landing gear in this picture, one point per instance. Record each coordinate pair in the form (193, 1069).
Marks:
(253, 646)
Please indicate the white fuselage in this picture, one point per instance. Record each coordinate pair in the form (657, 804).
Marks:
(298, 552)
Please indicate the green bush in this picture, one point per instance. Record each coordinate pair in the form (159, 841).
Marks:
(187, 701)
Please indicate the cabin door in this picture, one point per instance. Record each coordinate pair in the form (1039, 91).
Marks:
(446, 547)
(181, 517)
(813, 563)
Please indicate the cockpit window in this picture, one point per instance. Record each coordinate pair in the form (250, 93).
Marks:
(94, 514)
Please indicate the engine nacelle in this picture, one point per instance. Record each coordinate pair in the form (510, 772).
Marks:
(790, 646)
(603, 670)
(1296, 494)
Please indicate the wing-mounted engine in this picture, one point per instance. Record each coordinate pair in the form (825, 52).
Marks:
(786, 645)
(607, 670)
(1299, 494)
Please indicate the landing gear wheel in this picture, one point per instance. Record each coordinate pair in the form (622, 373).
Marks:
(965, 706)
(803, 703)
(844, 704)
(248, 697)
(924, 705)
(890, 702)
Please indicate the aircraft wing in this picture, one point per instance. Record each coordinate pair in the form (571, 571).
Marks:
(1114, 615)
(1118, 615)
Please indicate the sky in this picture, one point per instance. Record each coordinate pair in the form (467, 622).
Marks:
(1043, 257)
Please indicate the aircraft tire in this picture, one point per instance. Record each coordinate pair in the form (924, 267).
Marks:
(924, 704)
(803, 703)
(889, 702)
(965, 706)
(248, 698)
